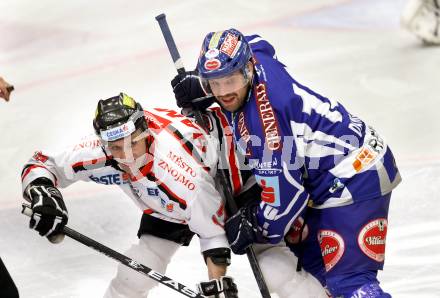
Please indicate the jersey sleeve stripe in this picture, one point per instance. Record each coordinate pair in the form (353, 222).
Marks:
(91, 164)
(28, 169)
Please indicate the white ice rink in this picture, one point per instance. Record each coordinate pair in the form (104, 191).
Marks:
(62, 56)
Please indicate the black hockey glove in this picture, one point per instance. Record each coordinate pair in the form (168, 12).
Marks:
(49, 213)
(242, 229)
(224, 287)
(189, 92)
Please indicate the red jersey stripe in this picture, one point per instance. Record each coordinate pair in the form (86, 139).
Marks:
(235, 172)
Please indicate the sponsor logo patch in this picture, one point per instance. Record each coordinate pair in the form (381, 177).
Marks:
(119, 132)
(229, 45)
(363, 159)
(38, 155)
(372, 239)
(212, 53)
(170, 207)
(152, 191)
(294, 232)
(177, 175)
(332, 247)
(109, 179)
(271, 190)
(337, 184)
(215, 39)
(267, 117)
(212, 64)
(178, 160)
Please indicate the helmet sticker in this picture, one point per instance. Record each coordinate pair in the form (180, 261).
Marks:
(128, 101)
(236, 49)
(212, 64)
(118, 132)
(229, 44)
(212, 53)
(213, 43)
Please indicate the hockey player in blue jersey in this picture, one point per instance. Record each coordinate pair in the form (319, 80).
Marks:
(326, 175)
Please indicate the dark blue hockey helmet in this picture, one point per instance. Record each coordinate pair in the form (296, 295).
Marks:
(222, 53)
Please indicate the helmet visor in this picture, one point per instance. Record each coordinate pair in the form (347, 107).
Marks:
(228, 84)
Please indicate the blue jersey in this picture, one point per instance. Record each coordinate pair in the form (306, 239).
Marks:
(305, 149)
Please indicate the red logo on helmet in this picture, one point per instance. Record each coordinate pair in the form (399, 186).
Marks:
(229, 45)
(332, 247)
(372, 239)
(212, 64)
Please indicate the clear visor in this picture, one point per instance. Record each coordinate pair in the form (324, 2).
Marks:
(225, 85)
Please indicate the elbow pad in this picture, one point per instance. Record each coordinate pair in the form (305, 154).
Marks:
(219, 256)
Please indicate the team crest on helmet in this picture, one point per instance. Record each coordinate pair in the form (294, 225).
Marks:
(332, 247)
(372, 239)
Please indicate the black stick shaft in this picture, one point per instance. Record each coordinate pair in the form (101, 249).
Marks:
(220, 173)
(161, 19)
(174, 285)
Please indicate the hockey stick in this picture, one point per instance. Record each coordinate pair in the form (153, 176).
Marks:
(122, 259)
(161, 19)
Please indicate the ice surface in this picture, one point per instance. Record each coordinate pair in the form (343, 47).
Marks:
(64, 55)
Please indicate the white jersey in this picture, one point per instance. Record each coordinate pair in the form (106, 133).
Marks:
(176, 186)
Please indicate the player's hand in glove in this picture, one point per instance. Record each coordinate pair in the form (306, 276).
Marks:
(189, 92)
(49, 213)
(224, 287)
(242, 229)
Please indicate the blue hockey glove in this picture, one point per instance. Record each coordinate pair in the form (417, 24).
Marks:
(242, 229)
(189, 93)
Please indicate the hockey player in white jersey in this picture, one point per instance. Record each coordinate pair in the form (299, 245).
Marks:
(422, 17)
(165, 164)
